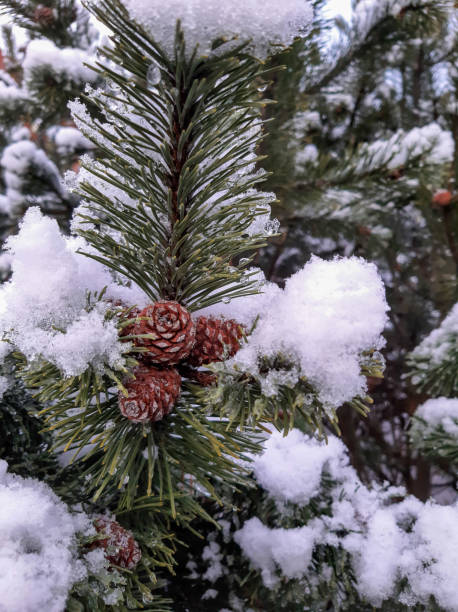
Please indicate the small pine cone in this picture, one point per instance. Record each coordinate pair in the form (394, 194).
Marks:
(216, 340)
(152, 395)
(120, 547)
(44, 15)
(442, 198)
(171, 332)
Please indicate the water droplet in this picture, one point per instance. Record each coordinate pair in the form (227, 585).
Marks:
(272, 227)
(114, 86)
(153, 76)
(262, 88)
(226, 300)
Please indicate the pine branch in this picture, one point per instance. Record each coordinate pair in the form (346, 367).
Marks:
(56, 25)
(414, 18)
(192, 134)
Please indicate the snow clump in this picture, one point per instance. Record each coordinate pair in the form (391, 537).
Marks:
(265, 23)
(43, 308)
(38, 564)
(402, 550)
(326, 317)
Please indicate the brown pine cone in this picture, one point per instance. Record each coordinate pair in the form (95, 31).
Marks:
(152, 395)
(44, 15)
(121, 549)
(171, 332)
(216, 340)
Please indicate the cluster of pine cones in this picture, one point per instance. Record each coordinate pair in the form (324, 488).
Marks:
(172, 345)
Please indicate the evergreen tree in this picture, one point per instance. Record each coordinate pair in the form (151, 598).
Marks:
(363, 149)
(39, 76)
(186, 405)
(42, 69)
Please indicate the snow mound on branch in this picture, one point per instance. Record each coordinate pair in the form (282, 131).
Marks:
(273, 470)
(441, 343)
(20, 162)
(368, 12)
(37, 546)
(11, 97)
(289, 549)
(439, 412)
(43, 310)
(329, 313)
(406, 551)
(69, 140)
(265, 23)
(430, 141)
(65, 63)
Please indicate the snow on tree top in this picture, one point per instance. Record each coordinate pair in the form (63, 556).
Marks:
(266, 23)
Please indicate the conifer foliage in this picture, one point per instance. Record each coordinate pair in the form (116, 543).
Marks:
(177, 391)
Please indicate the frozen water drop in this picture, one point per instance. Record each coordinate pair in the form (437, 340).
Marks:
(114, 86)
(153, 76)
(272, 227)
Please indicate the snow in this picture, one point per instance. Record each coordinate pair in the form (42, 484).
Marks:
(43, 307)
(69, 140)
(265, 23)
(431, 142)
(406, 550)
(441, 343)
(19, 162)
(288, 549)
(66, 63)
(11, 97)
(376, 560)
(307, 155)
(273, 471)
(368, 12)
(329, 313)
(434, 549)
(38, 563)
(212, 554)
(5, 384)
(440, 412)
